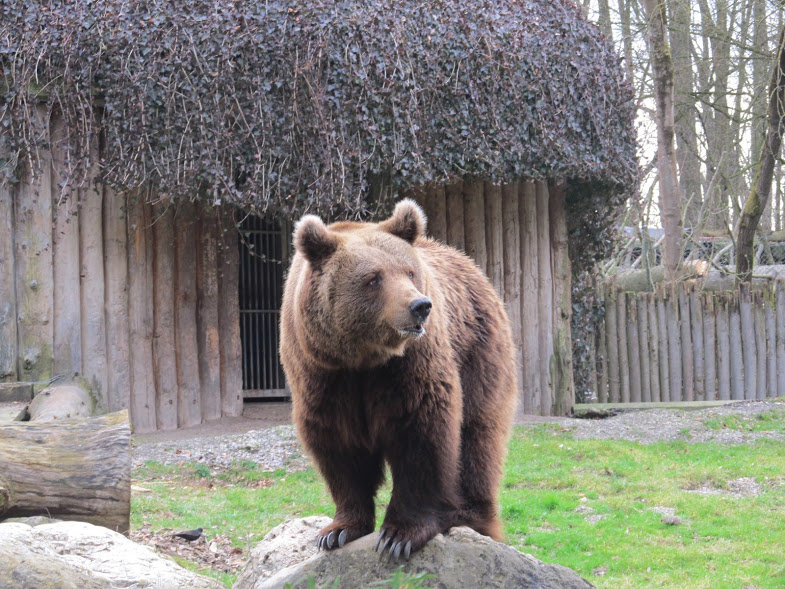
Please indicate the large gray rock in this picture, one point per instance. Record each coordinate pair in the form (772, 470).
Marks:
(61, 401)
(463, 558)
(79, 555)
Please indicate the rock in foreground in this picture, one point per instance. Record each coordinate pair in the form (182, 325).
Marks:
(84, 556)
(462, 558)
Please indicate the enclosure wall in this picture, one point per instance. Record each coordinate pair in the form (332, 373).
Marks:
(138, 299)
(517, 234)
(681, 343)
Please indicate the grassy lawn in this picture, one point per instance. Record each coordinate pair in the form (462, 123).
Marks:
(621, 514)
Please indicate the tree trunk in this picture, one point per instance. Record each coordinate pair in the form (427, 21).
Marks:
(75, 470)
(670, 192)
(764, 173)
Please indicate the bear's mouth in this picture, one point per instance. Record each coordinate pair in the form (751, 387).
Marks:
(416, 330)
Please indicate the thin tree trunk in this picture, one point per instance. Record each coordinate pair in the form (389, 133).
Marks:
(764, 172)
(670, 191)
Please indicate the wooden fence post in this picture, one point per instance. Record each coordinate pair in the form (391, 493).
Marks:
(454, 216)
(646, 350)
(633, 350)
(207, 315)
(493, 236)
(779, 299)
(229, 318)
(723, 345)
(699, 367)
(674, 344)
(760, 345)
(662, 342)
(474, 223)
(771, 342)
(748, 341)
(8, 353)
(736, 352)
(117, 330)
(688, 357)
(621, 322)
(612, 338)
(511, 239)
(709, 345)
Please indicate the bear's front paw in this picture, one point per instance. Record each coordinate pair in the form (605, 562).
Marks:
(400, 541)
(337, 534)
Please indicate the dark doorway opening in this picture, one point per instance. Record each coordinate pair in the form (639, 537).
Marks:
(263, 259)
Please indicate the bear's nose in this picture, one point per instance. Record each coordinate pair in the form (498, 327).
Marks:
(420, 309)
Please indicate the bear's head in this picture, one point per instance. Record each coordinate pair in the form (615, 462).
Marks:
(364, 298)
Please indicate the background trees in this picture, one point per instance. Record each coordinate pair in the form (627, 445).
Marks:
(722, 54)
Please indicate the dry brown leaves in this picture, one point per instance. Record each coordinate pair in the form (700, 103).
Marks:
(213, 551)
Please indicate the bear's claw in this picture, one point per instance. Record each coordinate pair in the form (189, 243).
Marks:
(333, 539)
(396, 547)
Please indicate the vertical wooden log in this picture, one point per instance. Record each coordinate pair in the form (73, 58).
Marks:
(530, 286)
(140, 313)
(612, 342)
(67, 336)
(562, 384)
(646, 351)
(545, 297)
(674, 344)
(699, 366)
(454, 216)
(437, 221)
(207, 324)
(736, 353)
(229, 318)
(722, 313)
(189, 410)
(656, 350)
(760, 344)
(663, 344)
(474, 223)
(633, 349)
(748, 346)
(117, 329)
(512, 273)
(688, 358)
(34, 273)
(709, 346)
(164, 348)
(771, 343)
(91, 256)
(8, 353)
(624, 362)
(602, 360)
(779, 300)
(494, 240)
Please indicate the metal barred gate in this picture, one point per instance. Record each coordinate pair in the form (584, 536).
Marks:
(263, 258)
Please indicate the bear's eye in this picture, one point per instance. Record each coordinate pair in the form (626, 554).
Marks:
(411, 275)
(374, 281)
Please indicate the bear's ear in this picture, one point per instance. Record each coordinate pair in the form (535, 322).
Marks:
(313, 239)
(408, 221)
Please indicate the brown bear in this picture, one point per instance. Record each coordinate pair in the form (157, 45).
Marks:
(397, 348)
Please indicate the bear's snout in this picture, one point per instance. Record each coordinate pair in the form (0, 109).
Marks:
(420, 309)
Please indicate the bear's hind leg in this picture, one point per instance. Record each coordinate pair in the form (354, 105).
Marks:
(353, 477)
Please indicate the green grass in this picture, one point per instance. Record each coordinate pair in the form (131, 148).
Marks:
(772, 420)
(595, 506)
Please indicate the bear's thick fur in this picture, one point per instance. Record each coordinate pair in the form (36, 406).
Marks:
(398, 348)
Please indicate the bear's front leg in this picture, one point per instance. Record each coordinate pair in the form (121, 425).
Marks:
(424, 461)
(353, 476)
